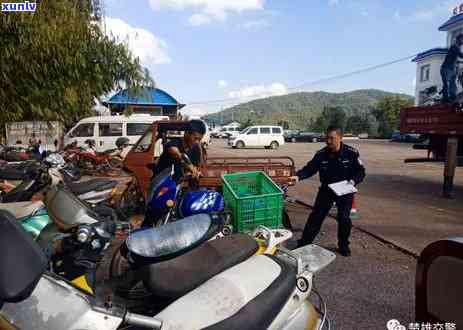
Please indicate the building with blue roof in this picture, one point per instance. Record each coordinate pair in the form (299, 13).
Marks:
(428, 63)
(153, 101)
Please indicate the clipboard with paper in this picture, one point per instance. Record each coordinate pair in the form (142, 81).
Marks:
(342, 188)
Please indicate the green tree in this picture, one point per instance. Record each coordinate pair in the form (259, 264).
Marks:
(355, 124)
(284, 124)
(247, 123)
(387, 113)
(57, 61)
(320, 124)
(362, 123)
(330, 116)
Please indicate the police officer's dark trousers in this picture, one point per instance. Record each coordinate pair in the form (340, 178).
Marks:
(323, 203)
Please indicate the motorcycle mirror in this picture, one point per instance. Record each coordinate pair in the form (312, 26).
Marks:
(186, 159)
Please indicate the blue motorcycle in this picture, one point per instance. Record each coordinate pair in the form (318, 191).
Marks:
(169, 201)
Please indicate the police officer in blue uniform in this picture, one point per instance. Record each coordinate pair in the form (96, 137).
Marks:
(336, 162)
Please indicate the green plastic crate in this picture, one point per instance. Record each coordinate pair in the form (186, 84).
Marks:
(254, 199)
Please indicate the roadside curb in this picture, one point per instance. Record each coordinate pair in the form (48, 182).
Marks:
(386, 241)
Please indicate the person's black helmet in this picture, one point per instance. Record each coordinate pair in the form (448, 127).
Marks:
(197, 126)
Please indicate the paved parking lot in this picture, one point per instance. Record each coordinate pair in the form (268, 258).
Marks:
(398, 202)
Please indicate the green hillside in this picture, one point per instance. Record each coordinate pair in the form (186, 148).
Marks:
(300, 110)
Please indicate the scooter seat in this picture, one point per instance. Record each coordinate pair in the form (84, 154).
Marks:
(249, 295)
(147, 246)
(19, 270)
(21, 193)
(174, 278)
(22, 209)
(14, 173)
(11, 173)
(83, 187)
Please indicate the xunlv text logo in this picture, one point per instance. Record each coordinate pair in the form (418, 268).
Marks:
(19, 6)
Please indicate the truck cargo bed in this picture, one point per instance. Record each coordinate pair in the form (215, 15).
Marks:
(280, 169)
(441, 119)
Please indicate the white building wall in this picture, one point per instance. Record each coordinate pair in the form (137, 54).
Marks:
(434, 76)
(436, 61)
(452, 33)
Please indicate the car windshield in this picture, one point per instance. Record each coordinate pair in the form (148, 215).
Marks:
(144, 143)
(245, 130)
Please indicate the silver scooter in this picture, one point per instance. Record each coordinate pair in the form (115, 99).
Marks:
(263, 292)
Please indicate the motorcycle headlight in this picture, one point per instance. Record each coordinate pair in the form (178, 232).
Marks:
(83, 234)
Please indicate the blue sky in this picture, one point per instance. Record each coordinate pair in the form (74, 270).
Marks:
(201, 50)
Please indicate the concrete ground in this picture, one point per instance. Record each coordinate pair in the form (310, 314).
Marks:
(398, 202)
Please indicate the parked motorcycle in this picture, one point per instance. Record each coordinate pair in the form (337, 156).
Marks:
(33, 181)
(89, 159)
(33, 216)
(93, 191)
(262, 291)
(168, 200)
(34, 178)
(69, 215)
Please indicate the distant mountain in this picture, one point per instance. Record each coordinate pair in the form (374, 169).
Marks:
(299, 109)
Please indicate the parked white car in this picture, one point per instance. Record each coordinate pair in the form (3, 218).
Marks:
(105, 130)
(270, 137)
(226, 132)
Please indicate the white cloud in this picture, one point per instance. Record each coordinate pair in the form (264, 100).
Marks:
(200, 110)
(333, 2)
(255, 25)
(199, 19)
(192, 111)
(441, 8)
(414, 82)
(212, 9)
(222, 83)
(150, 49)
(260, 91)
(423, 15)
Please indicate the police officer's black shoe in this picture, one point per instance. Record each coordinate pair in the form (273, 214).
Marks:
(345, 252)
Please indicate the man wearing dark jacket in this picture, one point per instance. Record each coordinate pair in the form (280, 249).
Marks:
(336, 162)
(449, 71)
(190, 146)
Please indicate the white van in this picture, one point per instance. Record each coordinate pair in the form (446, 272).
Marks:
(105, 130)
(270, 137)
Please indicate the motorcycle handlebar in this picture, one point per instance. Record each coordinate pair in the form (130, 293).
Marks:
(143, 321)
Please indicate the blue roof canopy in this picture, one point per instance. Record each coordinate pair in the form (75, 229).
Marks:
(431, 52)
(148, 96)
(451, 22)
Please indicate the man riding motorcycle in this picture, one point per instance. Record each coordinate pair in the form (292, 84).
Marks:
(175, 151)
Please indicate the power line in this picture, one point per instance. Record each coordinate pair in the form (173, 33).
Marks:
(315, 82)
(353, 73)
